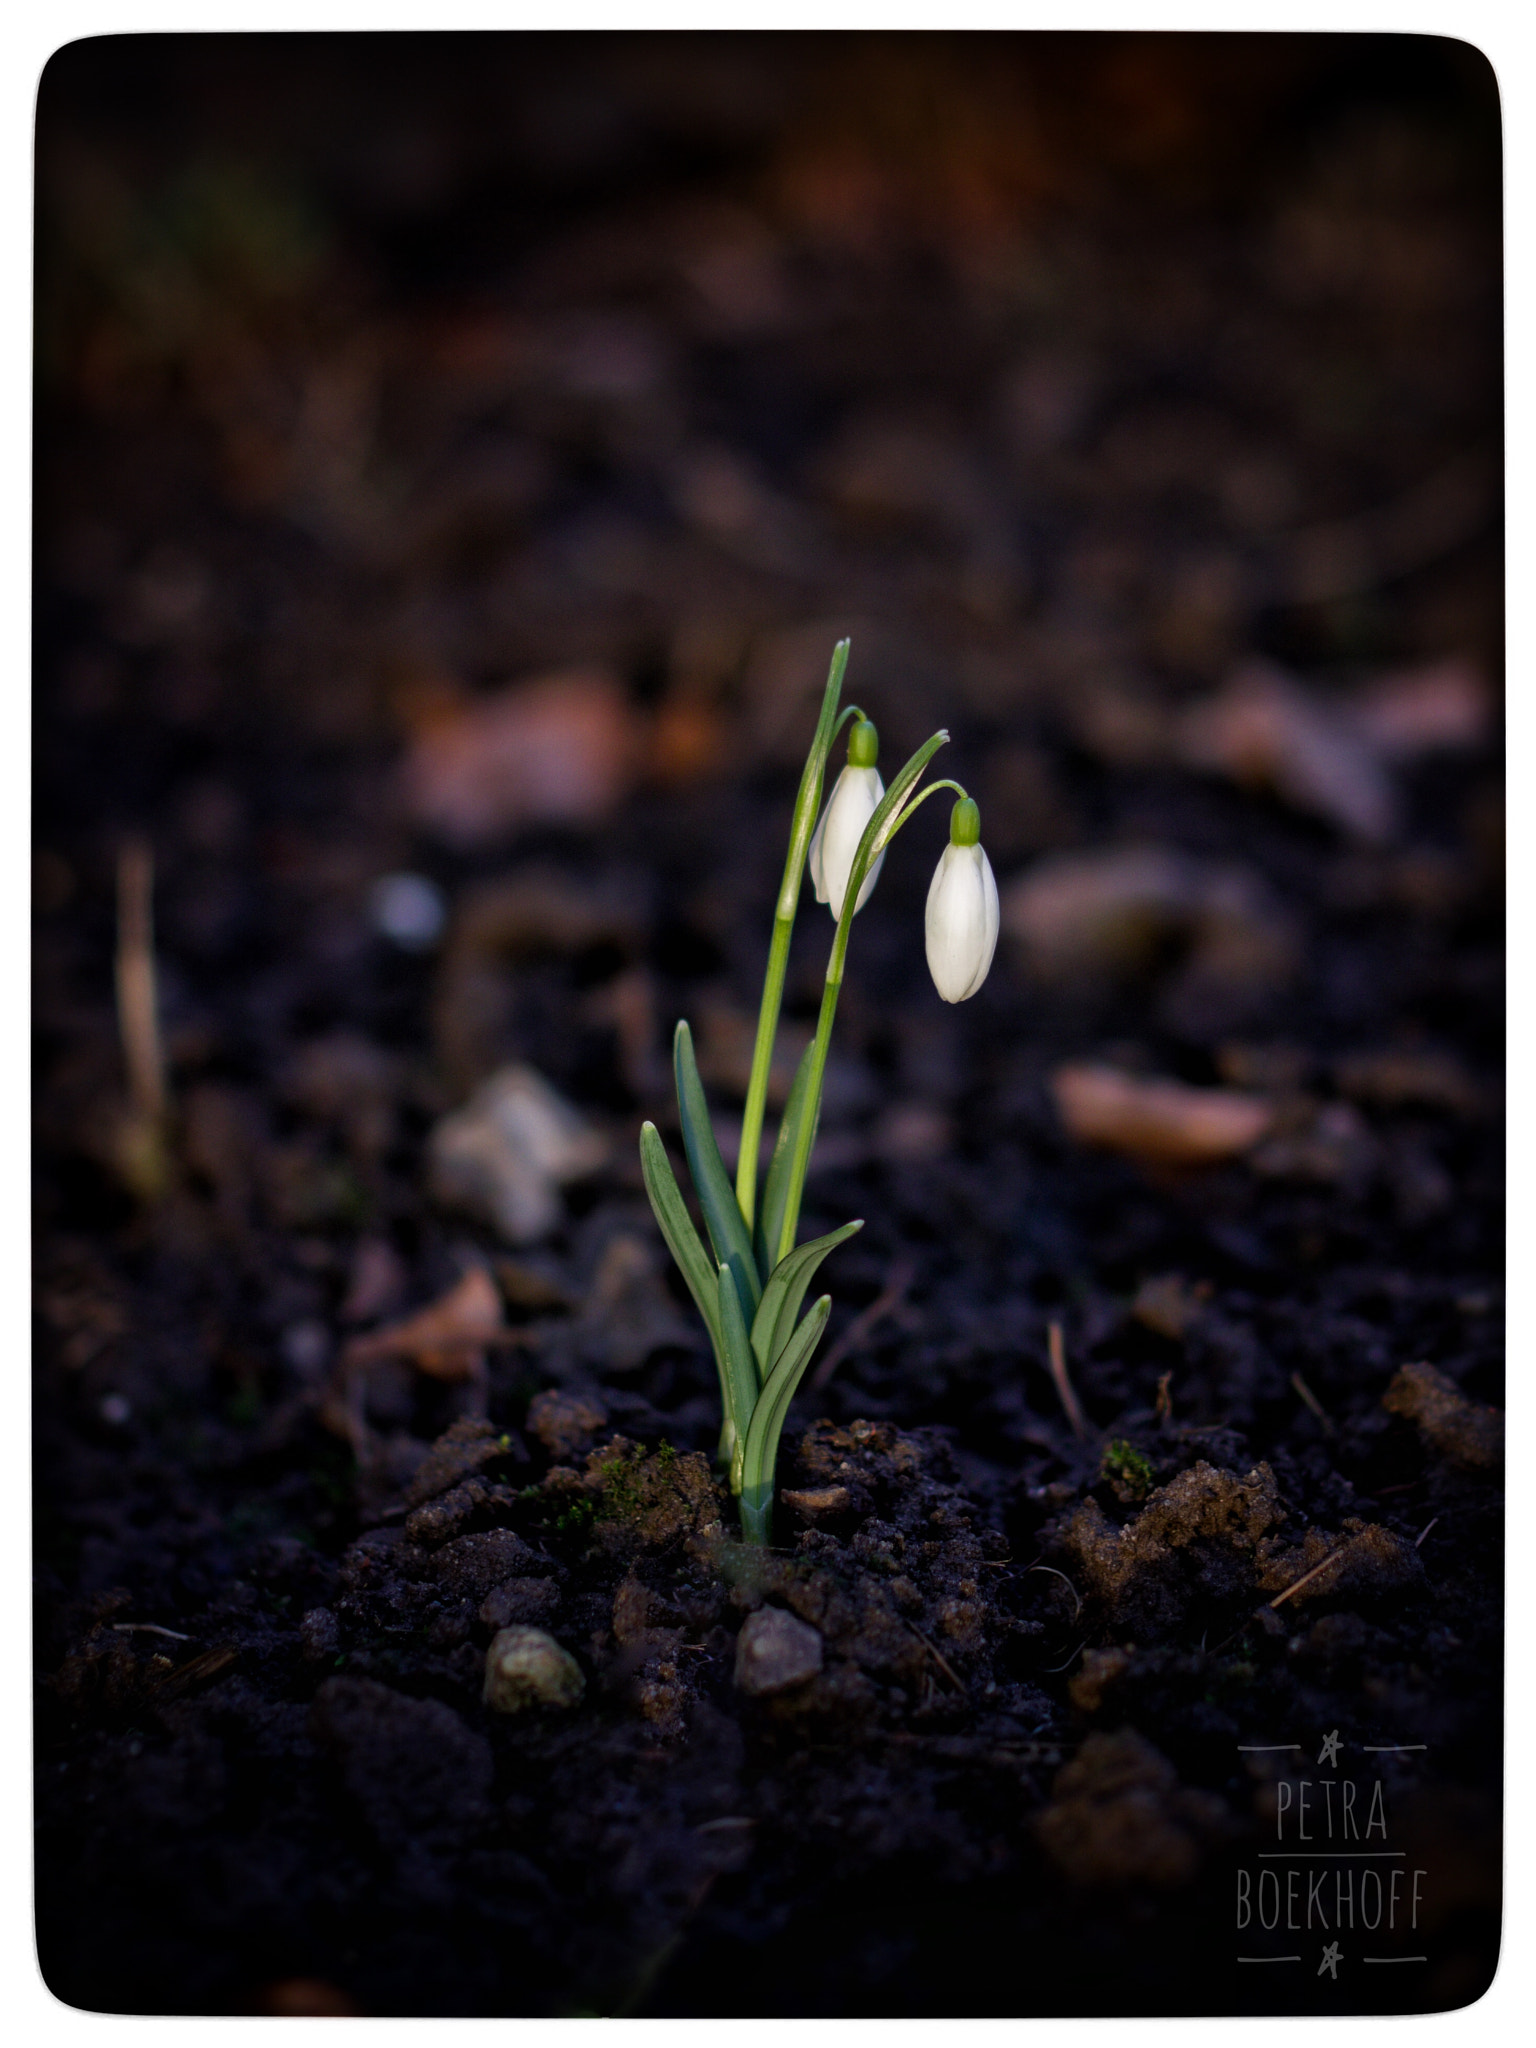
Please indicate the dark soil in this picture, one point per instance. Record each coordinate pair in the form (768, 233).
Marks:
(1066, 374)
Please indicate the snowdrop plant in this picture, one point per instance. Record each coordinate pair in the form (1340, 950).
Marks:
(751, 1281)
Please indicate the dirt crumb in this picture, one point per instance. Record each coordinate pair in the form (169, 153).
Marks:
(565, 1424)
(466, 1447)
(1463, 1432)
(1118, 1815)
(1198, 1531)
(415, 1771)
(1099, 1673)
(653, 1498)
(1362, 1558)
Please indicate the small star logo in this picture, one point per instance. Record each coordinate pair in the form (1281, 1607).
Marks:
(1329, 1753)
(1330, 1961)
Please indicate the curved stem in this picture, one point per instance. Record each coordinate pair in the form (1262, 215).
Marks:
(887, 821)
(807, 803)
(922, 797)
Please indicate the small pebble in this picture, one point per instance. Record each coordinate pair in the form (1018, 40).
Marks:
(409, 909)
(525, 1667)
(306, 1347)
(115, 1410)
(775, 1651)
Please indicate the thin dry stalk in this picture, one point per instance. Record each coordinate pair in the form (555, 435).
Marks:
(138, 1017)
(1056, 1350)
(948, 1670)
(888, 1299)
(1316, 1406)
(1316, 1571)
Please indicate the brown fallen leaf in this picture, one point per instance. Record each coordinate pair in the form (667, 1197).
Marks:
(1166, 1122)
(1263, 729)
(446, 1338)
(1115, 911)
(561, 749)
(1444, 706)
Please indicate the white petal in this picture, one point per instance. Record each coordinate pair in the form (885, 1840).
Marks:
(990, 922)
(813, 859)
(961, 922)
(858, 791)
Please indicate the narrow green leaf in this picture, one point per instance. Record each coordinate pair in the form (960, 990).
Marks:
(761, 1452)
(740, 1368)
(694, 1263)
(717, 1198)
(777, 1312)
(770, 1219)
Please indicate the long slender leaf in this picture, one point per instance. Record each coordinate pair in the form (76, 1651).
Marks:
(761, 1451)
(717, 1198)
(779, 1309)
(770, 1219)
(740, 1367)
(694, 1263)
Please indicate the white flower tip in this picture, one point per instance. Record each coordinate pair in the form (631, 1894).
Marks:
(961, 922)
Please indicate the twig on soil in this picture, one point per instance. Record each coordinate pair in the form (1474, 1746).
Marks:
(1316, 1571)
(1424, 1532)
(1311, 1400)
(148, 1628)
(1077, 1610)
(885, 1301)
(197, 1671)
(947, 1669)
(1056, 1351)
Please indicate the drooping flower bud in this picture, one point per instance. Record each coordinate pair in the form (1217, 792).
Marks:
(850, 807)
(961, 920)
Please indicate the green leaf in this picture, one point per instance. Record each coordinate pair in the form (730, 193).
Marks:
(774, 1322)
(770, 1219)
(741, 1387)
(717, 1198)
(761, 1451)
(694, 1263)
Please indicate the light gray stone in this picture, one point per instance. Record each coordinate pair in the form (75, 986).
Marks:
(526, 1667)
(774, 1651)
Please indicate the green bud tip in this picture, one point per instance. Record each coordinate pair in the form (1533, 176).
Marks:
(965, 823)
(863, 745)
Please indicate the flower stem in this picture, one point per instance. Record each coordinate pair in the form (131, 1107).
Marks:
(887, 821)
(807, 802)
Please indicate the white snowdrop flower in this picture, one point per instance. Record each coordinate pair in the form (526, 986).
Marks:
(962, 915)
(849, 809)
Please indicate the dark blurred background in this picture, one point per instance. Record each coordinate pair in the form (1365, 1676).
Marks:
(1068, 373)
(458, 454)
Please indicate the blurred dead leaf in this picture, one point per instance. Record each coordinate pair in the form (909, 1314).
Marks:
(1163, 1122)
(558, 750)
(1264, 731)
(445, 1338)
